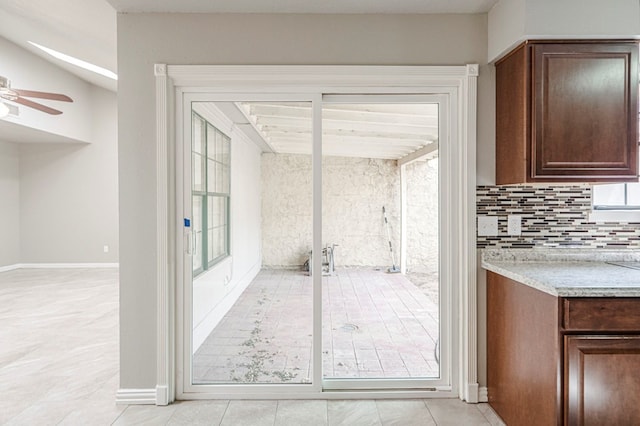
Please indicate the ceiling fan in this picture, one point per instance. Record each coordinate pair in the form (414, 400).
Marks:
(18, 96)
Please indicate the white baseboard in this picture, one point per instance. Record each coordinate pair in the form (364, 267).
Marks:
(136, 396)
(472, 393)
(483, 394)
(162, 395)
(65, 265)
(9, 267)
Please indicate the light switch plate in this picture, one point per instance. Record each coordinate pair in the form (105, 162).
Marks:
(487, 226)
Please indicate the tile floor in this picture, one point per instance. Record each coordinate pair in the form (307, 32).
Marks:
(59, 366)
(375, 325)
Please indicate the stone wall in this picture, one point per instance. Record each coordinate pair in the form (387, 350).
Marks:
(354, 191)
(422, 216)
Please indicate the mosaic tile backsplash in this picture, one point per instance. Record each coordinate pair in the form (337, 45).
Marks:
(552, 216)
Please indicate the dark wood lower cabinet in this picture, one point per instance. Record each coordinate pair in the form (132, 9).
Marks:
(554, 361)
(523, 348)
(602, 380)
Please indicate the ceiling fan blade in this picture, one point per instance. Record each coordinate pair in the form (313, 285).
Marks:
(37, 106)
(43, 95)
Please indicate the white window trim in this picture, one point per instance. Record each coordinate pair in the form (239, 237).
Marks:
(460, 81)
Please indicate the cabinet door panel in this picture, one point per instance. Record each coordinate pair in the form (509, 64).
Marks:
(585, 110)
(602, 383)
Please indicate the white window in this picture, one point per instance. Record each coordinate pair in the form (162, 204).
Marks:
(210, 191)
(618, 202)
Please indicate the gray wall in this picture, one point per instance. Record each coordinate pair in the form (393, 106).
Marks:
(9, 204)
(145, 39)
(58, 201)
(68, 193)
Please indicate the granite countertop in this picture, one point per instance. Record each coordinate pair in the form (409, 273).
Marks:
(569, 272)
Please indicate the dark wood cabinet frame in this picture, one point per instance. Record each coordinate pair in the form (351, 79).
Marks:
(567, 111)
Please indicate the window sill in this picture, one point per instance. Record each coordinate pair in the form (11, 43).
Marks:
(614, 216)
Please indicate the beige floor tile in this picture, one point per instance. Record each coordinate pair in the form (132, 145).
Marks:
(453, 412)
(70, 377)
(250, 413)
(491, 415)
(353, 413)
(145, 415)
(196, 413)
(404, 413)
(42, 413)
(307, 413)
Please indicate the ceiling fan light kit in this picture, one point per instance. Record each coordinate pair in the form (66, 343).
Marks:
(19, 96)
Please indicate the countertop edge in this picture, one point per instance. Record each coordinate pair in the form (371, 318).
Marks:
(622, 284)
(538, 285)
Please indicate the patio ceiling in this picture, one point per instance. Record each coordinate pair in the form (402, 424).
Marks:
(386, 131)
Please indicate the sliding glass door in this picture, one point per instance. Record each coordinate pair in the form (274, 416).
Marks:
(312, 244)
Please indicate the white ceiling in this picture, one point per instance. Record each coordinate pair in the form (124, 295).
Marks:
(305, 6)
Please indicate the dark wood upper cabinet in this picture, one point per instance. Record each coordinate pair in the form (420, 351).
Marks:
(567, 112)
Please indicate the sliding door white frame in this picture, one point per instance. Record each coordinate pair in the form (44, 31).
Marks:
(458, 82)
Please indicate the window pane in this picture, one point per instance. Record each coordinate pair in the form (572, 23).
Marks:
(197, 232)
(219, 143)
(219, 241)
(633, 194)
(219, 179)
(225, 180)
(197, 172)
(226, 145)
(198, 134)
(211, 252)
(608, 195)
(211, 175)
(211, 141)
(217, 211)
(217, 235)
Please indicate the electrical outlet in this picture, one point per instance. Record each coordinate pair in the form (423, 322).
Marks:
(487, 226)
(514, 224)
(105, 249)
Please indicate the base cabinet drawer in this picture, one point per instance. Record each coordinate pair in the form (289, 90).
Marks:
(603, 314)
(602, 380)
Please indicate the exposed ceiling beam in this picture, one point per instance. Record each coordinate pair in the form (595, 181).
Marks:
(276, 123)
(330, 113)
(244, 110)
(363, 142)
(418, 154)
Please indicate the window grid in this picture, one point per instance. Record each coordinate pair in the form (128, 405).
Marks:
(211, 193)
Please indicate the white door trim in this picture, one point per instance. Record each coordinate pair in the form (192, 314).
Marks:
(460, 80)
